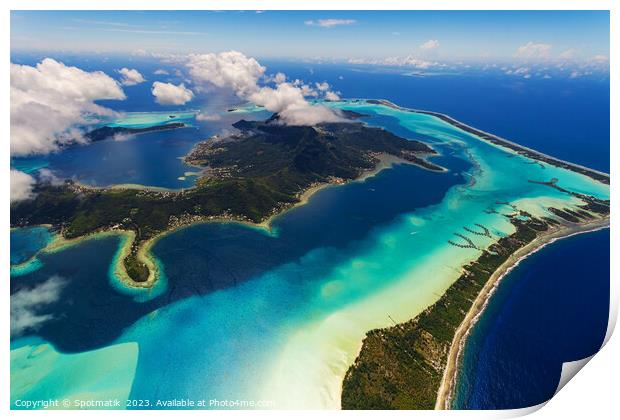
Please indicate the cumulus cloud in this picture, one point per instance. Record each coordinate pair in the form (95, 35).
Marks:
(230, 69)
(21, 186)
(332, 96)
(27, 303)
(519, 71)
(323, 87)
(234, 70)
(169, 94)
(47, 176)
(569, 54)
(600, 57)
(329, 23)
(307, 91)
(49, 100)
(431, 44)
(279, 78)
(533, 50)
(140, 52)
(161, 72)
(204, 116)
(130, 77)
(400, 61)
(289, 102)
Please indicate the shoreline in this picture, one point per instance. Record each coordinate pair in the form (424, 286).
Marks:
(446, 390)
(144, 255)
(385, 161)
(492, 139)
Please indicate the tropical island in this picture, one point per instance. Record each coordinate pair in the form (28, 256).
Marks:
(414, 365)
(249, 176)
(105, 132)
(265, 168)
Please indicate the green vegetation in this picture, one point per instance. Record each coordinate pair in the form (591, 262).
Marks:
(524, 151)
(136, 269)
(106, 132)
(401, 367)
(249, 177)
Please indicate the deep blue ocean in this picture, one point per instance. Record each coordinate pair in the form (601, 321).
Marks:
(552, 308)
(566, 118)
(559, 293)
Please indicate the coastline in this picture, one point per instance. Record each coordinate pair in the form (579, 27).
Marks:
(144, 254)
(60, 243)
(498, 141)
(125, 246)
(450, 375)
(385, 161)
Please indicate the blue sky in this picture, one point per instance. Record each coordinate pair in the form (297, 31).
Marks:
(453, 35)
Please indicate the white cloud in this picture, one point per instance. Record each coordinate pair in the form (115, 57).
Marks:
(332, 96)
(569, 54)
(307, 91)
(234, 70)
(524, 72)
(279, 78)
(48, 101)
(329, 23)
(130, 77)
(289, 102)
(533, 50)
(161, 72)
(400, 61)
(49, 177)
(323, 87)
(575, 74)
(204, 116)
(140, 52)
(600, 57)
(410, 61)
(21, 186)
(230, 69)
(26, 305)
(169, 94)
(431, 44)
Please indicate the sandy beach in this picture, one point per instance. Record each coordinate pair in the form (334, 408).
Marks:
(448, 383)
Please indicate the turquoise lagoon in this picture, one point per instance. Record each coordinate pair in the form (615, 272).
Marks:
(26, 242)
(39, 373)
(150, 119)
(290, 318)
(149, 159)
